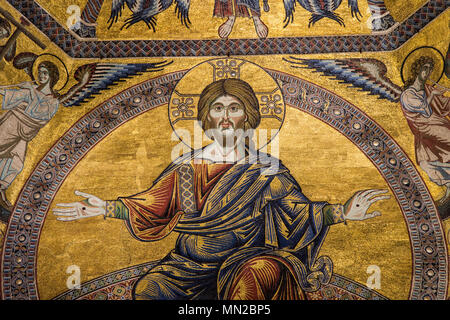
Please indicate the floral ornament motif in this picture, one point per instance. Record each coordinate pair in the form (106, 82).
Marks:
(271, 105)
(114, 112)
(291, 90)
(357, 125)
(226, 68)
(377, 144)
(183, 107)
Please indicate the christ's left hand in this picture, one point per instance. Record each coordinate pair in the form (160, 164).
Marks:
(357, 206)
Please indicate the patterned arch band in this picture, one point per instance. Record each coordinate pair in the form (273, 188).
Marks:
(89, 48)
(430, 270)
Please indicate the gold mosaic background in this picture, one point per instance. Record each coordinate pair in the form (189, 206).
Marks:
(327, 165)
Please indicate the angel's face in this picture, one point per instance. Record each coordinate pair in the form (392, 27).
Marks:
(43, 75)
(425, 72)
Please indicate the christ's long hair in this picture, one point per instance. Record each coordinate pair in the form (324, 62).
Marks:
(237, 88)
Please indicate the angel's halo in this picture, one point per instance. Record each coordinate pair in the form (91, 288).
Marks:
(435, 54)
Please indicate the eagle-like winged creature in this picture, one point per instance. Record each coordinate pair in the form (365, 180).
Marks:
(146, 11)
(367, 74)
(320, 9)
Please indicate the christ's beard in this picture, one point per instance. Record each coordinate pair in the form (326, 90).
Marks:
(226, 132)
(227, 137)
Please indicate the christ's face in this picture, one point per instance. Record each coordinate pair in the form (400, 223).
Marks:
(425, 72)
(226, 115)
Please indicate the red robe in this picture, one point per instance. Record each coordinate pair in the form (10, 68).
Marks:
(224, 9)
(232, 218)
(153, 215)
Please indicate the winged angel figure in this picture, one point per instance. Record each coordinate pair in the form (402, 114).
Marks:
(147, 10)
(424, 106)
(31, 105)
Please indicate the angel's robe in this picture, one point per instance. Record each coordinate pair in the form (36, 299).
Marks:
(431, 128)
(27, 111)
(237, 8)
(225, 214)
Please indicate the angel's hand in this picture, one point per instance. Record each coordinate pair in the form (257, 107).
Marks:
(437, 91)
(90, 207)
(440, 87)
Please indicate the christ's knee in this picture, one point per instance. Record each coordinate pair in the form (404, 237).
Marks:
(147, 288)
(256, 279)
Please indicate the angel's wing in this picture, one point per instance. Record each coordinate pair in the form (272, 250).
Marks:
(95, 77)
(182, 11)
(367, 74)
(146, 11)
(116, 10)
(289, 8)
(353, 4)
(319, 8)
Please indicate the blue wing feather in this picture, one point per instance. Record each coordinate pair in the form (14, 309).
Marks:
(100, 76)
(320, 9)
(116, 10)
(335, 4)
(309, 5)
(289, 8)
(146, 10)
(182, 10)
(366, 74)
(353, 4)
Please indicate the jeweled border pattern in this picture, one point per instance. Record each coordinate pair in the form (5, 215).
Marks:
(89, 288)
(102, 288)
(430, 270)
(430, 261)
(21, 240)
(77, 48)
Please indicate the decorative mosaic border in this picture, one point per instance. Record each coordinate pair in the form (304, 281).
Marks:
(18, 268)
(118, 285)
(430, 269)
(77, 48)
(341, 288)
(90, 289)
(430, 261)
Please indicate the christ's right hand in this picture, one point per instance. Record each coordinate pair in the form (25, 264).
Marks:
(90, 207)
